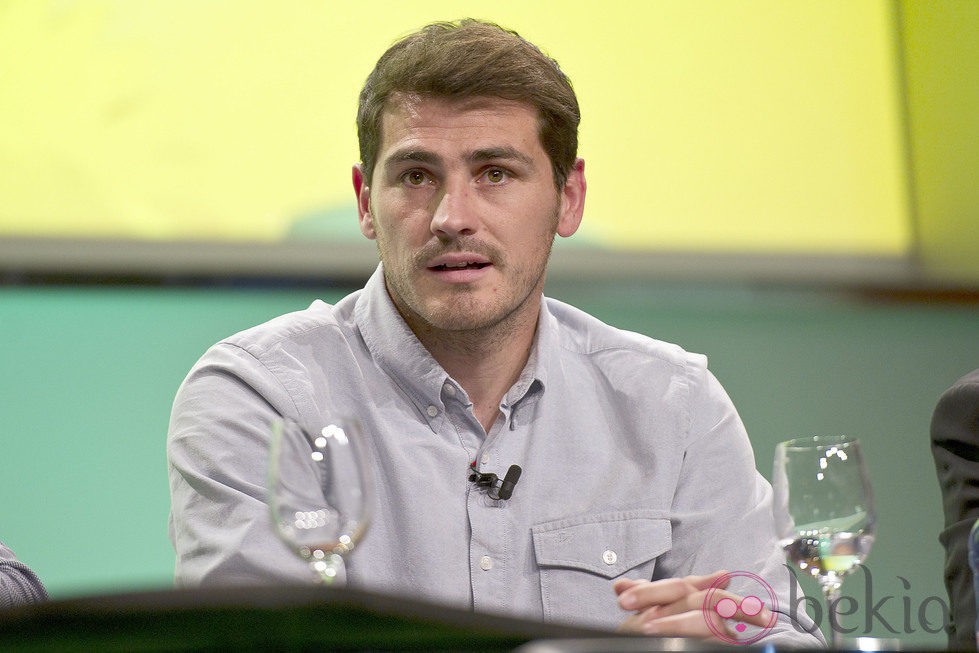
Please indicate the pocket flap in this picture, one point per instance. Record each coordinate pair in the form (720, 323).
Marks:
(608, 544)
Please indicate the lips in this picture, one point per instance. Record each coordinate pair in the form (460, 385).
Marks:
(460, 266)
(452, 262)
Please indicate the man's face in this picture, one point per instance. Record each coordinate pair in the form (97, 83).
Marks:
(464, 210)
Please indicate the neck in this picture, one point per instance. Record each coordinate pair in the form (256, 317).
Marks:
(486, 362)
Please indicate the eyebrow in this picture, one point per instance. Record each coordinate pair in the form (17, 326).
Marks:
(493, 153)
(421, 156)
(481, 155)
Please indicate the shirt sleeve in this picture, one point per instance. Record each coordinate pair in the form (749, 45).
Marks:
(723, 515)
(217, 450)
(18, 584)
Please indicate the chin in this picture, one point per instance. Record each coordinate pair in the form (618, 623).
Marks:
(455, 319)
(464, 314)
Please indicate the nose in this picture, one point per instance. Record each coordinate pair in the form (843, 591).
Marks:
(455, 214)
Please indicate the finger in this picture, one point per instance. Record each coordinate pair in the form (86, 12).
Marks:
(719, 604)
(658, 592)
(632, 624)
(690, 602)
(704, 582)
(622, 584)
(641, 595)
(686, 624)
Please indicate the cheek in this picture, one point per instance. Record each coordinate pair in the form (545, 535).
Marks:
(386, 240)
(399, 234)
(408, 225)
(535, 219)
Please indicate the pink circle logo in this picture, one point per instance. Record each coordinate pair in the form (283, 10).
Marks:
(761, 594)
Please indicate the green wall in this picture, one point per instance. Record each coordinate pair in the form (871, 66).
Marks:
(88, 375)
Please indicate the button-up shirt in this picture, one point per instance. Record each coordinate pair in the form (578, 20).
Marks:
(18, 584)
(635, 463)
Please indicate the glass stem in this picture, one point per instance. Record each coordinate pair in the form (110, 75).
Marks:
(831, 591)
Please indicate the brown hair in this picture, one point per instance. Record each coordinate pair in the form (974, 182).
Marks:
(471, 58)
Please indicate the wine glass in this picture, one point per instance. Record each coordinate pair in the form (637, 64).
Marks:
(319, 485)
(824, 511)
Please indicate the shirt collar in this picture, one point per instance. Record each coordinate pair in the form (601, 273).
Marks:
(395, 348)
(533, 378)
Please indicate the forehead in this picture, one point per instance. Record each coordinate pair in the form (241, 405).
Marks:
(471, 122)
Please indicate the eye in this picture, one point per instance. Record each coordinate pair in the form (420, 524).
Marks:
(415, 178)
(496, 175)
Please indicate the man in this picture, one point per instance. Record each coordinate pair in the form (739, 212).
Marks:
(18, 584)
(955, 447)
(638, 478)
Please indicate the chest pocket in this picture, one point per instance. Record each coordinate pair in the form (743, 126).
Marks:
(578, 558)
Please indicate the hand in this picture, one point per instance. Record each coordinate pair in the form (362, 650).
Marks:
(674, 607)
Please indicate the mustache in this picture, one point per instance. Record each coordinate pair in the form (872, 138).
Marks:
(469, 244)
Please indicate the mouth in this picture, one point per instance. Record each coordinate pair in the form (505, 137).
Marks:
(463, 265)
(460, 267)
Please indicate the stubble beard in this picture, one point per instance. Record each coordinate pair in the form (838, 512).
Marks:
(464, 319)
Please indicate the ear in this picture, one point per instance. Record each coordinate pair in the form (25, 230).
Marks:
(363, 193)
(572, 200)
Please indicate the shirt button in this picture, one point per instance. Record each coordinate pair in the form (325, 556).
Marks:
(609, 557)
(433, 411)
(484, 460)
(486, 563)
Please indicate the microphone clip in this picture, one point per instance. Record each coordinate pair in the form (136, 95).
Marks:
(496, 488)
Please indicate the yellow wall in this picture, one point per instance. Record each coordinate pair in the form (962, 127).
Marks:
(708, 125)
(942, 61)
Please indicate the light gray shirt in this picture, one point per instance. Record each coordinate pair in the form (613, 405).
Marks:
(635, 463)
(18, 584)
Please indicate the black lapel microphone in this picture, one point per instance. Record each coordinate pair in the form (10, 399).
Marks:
(494, 486)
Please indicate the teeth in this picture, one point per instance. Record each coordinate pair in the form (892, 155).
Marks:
(457, 265)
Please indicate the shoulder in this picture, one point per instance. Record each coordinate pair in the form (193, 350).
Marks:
(657, 386)
(581, 334)
(961, 397)
(280, 363)
(967, 384)
(956, 415)
(287, 346)
(311, 326)
(633, 368)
